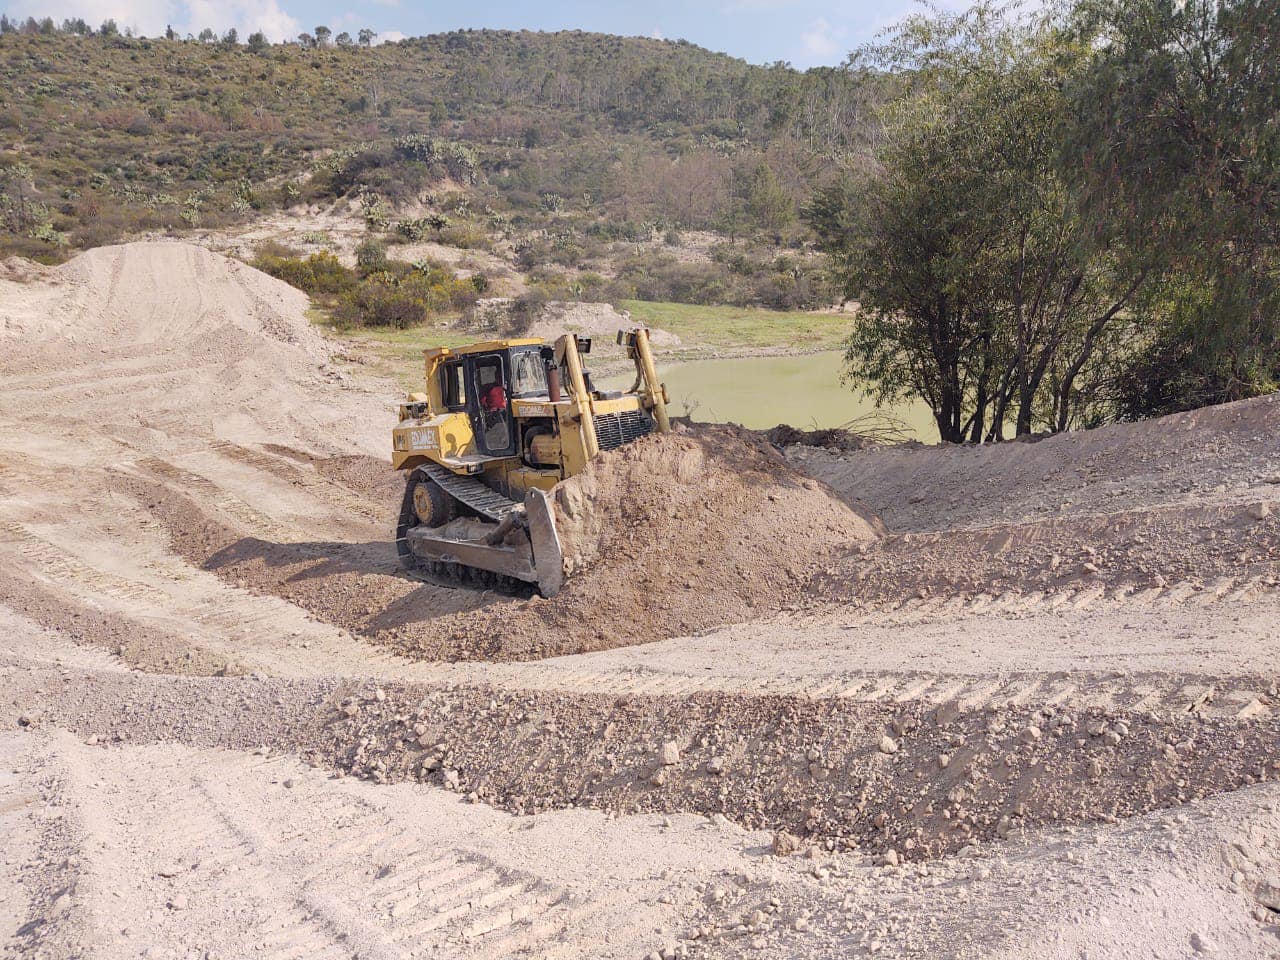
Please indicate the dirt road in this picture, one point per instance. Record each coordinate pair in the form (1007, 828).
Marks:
(1035, 717)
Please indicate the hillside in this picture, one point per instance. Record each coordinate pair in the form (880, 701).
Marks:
(577, 134)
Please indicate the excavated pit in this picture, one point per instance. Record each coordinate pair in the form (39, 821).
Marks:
(667, 536)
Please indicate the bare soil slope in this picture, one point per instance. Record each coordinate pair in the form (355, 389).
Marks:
(1034, 715)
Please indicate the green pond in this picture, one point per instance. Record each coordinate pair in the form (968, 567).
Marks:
(761, 392)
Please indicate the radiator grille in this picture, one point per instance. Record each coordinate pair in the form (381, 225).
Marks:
(615, 429)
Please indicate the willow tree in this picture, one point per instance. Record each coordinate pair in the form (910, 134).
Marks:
(1176, 144)
(981, 289)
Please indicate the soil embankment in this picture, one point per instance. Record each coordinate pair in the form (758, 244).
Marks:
(1047, 684)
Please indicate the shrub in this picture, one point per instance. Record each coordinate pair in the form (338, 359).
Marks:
(371, 256)
(465, 236)
(385, 299)
(376, 302)
(445, 157)
(525, 310)
(419, 228)
(320, 274)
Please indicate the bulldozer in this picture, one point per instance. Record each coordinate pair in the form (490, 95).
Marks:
(500, 424)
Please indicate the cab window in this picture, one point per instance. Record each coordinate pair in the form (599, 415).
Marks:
(528, 375)
(453, 386)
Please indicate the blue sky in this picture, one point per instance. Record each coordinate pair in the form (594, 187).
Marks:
(804, 32)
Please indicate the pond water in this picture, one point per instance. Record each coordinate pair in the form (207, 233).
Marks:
(761, 392)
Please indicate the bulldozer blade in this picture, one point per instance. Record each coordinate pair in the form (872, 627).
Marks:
(545, 540)
(511, 560)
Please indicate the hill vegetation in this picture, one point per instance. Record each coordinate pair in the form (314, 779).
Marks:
(1049, 219)
(572, 135)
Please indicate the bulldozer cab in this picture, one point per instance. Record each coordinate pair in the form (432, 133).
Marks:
(483, 385)
(491, 411)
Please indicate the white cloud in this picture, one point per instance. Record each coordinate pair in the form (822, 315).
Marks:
(657, 34)
(144, 16)
(390, 36)
(247, 16)
(821, 41)
(151, 17)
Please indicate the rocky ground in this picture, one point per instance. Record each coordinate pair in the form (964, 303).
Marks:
(1014, 701)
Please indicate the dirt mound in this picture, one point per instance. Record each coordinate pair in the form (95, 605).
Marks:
(22, 270)
(668, 536)
(175, 295)
(600, 320)
(835, 438)
(185, 343)
(1226, 452)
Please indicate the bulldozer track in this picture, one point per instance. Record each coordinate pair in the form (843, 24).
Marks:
(359, 882)
(73, 572)
(316, 485)
(250, 615)
(212, 496)
(1236, 698)
(915, 609)
(472, 492)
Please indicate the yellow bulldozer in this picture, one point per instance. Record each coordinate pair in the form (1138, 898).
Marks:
(500, 424)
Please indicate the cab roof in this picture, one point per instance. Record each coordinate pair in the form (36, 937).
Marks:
(485, 346)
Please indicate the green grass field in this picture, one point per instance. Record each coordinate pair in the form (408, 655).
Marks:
(738, 327)
(398, 353)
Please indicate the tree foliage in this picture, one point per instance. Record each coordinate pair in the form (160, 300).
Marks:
(1073, 217)
(981, 288)
(1177, 148)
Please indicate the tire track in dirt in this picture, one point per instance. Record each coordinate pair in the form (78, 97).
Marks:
(214, 856)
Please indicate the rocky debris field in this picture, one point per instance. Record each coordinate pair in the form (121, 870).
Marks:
(997, 702)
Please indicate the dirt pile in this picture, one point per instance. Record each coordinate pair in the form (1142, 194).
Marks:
(601, 321)
(1223, 453)
(22, 270)
(111, 297)
(184, 342)
(668, 536)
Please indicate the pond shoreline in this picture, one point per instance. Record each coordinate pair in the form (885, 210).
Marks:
(614, 365)
(762, 389)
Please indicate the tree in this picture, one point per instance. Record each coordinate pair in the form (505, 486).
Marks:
(207, 35)
(170, 33)
(257, 42)
(7, 25)
(109, 29)
(322, 35)
(982, 289)
(767, 205)
(230, 38)
(1177, 146)
(306, 41)
(343, 39)
(365, 36)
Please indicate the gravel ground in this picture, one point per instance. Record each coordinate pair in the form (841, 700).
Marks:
(1029, 711)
